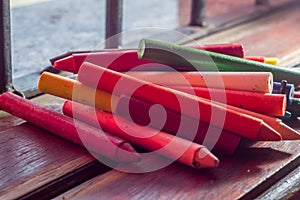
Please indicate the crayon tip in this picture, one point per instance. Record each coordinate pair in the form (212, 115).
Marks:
(255, 58)
(65, 64)
(287, 133)
(266, 133)
(272, 61)
(127, 153)
(205, 159)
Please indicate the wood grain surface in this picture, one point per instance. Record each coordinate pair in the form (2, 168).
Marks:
(286, 188)
(35, 164)
(245, 175)
(275, 35)
(31, 157)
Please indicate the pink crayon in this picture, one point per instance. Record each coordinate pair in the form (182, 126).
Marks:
(80, 133)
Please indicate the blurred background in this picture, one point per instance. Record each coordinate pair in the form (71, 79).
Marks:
(42, 29)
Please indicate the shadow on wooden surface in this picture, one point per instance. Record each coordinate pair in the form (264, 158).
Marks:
(244, 175)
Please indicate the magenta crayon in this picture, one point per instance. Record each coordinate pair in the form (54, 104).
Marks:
(220, 141)
(80, 133)
(125, 60)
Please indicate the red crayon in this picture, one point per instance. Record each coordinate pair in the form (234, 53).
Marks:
(269, 104)
(255, 58)
(63, 126)
(184, 151)
(218, 140)
(125, 60)
(119, 84)
(236, 50)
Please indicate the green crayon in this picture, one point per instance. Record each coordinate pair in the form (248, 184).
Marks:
(200, 60)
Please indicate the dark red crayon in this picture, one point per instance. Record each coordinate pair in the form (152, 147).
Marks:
(220, 141)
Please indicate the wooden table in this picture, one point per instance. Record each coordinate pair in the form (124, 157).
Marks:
(35, 164)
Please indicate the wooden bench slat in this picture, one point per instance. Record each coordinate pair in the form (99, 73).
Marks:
(275, 35)
(249, 171)
(31, 158)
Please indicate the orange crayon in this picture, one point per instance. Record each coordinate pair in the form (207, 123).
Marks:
(73, 90)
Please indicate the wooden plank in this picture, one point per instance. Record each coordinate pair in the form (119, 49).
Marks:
(218, 12)
(287, 188)
(223, 15)
(276, 35)
(31, 158)
(7, 121)
(67, 181)
(249, 171)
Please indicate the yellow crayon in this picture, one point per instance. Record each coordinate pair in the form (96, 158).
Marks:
(271, 60)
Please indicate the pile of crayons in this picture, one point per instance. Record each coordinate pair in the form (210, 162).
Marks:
(117, 89)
